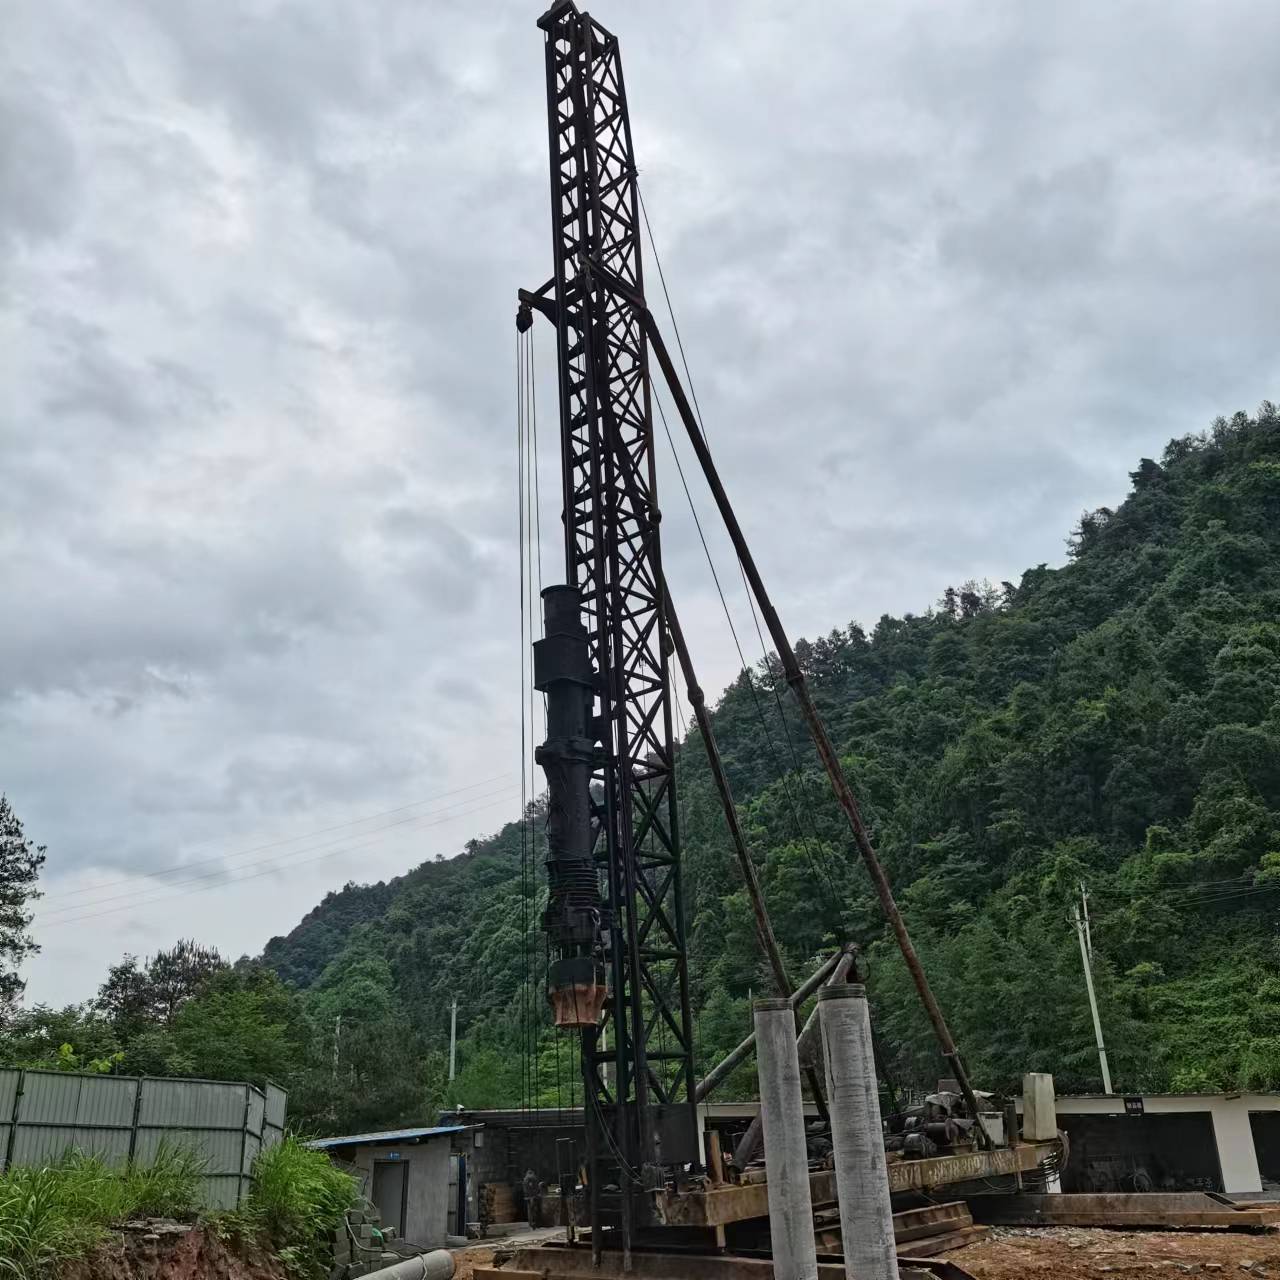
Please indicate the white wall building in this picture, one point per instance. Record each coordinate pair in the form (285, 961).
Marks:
(1226, 1142)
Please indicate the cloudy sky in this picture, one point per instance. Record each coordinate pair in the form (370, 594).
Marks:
(944, 272)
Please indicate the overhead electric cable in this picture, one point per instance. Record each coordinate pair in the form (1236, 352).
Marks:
(819, 873)
(817, 863)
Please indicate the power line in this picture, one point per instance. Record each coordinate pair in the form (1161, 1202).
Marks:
(805, 839)
(271, 870)
(283, 861)
(178, 867)
(801, 776)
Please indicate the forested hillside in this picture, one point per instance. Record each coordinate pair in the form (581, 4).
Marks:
(1114, 722)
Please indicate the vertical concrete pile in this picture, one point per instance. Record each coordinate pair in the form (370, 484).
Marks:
(857, 1137)
(795, 1251)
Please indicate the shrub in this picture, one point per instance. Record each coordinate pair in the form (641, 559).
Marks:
(298, 1197)
(169, 1186)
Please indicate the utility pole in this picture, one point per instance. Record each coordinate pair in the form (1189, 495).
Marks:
(1084, 903)
(1086, 959)
(453, 1040)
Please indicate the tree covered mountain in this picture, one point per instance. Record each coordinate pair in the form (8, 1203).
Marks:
(1114, 722)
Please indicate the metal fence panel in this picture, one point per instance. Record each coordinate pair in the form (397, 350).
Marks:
(255, 1111)
(68, 1097)
(274, 1115)
(219, 1148)
(46, 1114)
(10, 1077)
(252, 1149)
(191, 1104)
(222, 1193)
(47, 1144)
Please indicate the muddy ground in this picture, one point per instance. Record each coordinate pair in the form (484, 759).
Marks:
(1079, 1253)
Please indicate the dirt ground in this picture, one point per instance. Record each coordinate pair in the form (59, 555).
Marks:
(1077, 1253)
(1072, 1253)
(465, 1261)
(178, 1254)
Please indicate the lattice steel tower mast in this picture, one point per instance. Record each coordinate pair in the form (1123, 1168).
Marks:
(615, 917)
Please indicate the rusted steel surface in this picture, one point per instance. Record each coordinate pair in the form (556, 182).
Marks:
(718, 1206)
(938, 1171)
(548, 1262)
(1117, 1209)
(916, 1224)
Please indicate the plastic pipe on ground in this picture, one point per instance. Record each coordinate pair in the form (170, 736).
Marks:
(436, 1265)
(857, 1138)
(795, 1253)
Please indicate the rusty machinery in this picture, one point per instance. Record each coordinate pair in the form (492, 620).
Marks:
(615, 914)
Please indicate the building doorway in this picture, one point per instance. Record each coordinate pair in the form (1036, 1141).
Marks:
(390, 1183)
(1167, 1151)
(1266, 1143)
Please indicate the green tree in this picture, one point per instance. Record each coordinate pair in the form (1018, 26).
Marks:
(20, 863)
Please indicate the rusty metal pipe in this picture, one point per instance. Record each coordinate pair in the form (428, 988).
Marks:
(736, 1057)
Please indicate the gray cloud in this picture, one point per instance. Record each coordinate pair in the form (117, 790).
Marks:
(943, 274)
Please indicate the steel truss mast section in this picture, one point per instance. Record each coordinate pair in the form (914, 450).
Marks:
(617, 934)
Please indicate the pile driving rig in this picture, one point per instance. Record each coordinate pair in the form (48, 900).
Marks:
(615, 917)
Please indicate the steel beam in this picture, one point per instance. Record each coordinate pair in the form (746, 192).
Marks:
(719, 1206)
(1192, 1209)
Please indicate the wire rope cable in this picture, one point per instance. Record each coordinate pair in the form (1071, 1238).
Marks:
(806, 839)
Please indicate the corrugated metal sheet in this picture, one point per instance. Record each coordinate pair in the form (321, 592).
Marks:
(67, 1097)
(192, 1104)
(219, 1147)
(224, 1123)
(274, 1115)
(255, 1112)
(277, 1100)
(223, 1192)
(9, 1078)
(388, 1135)
(44, 1144)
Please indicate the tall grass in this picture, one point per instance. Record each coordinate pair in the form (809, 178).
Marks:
(298, 1197)
(169, 1186)
(57, 1213)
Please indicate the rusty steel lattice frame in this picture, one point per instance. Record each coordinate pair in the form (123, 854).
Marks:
(646, 1114)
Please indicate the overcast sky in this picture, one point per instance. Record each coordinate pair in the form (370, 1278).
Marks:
(944, 271)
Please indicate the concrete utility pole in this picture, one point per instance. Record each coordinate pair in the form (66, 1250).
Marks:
(1086, 959)
(453, 1040)
(1084, 904)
